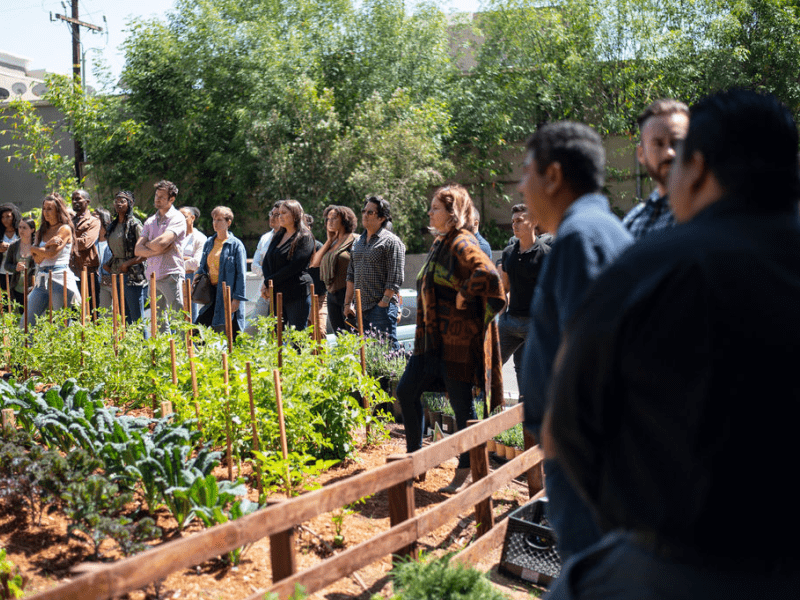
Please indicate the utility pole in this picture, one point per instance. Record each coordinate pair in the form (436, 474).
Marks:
(76, 65)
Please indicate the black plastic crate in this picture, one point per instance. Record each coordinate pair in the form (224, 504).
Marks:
(529, 550)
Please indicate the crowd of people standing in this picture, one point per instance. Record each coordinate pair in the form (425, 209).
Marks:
(629, 337)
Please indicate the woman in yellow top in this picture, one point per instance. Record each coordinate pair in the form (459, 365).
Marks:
(225, 261)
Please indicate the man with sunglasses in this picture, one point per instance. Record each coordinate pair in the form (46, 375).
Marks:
(376, 268)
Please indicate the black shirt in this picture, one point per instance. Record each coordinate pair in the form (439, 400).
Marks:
(675, 386)
(289, 275)
(523, 271)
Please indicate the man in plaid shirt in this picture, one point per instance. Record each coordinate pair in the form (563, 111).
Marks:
(376, 268)
(662, 125)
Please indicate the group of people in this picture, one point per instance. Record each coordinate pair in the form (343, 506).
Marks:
(659, 349)
(652, 353)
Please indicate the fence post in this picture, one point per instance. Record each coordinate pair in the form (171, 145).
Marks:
(479, 464)
(535, 476)
(9, 421)
(402, 506)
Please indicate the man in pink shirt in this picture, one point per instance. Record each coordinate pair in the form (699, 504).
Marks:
(160, 243)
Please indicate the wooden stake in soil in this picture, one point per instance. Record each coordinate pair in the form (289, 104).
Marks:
(64, 293)
(187, 299)
(172, 359)
(193, 373)
(121, 295)
(50, 294)
(114, 310)
(363, 352)
(284, 446)
(255, 425)
(9, 421)
(228, 413)
(84, 297)
(228, 316)
(25, 306)
(153, 309)
(271, 291)
(8, 291)
(94, 300)
(279, 324)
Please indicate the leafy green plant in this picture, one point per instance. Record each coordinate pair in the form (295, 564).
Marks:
(438, 579)
(217, 503)
(90, 505)
(130, 536)
(294, 475)
(338, 517)
(12, 582)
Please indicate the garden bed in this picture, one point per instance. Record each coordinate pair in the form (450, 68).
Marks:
(47, 557)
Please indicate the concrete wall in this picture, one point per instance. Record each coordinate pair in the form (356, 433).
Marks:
(17, 183)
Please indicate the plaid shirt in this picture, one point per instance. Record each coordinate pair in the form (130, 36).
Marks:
(377, 265)
(650, 215)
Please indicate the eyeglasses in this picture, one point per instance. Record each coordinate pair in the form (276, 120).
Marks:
(331, 219)
(369, 212)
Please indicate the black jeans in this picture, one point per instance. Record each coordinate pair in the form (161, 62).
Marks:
(336, 311)
(207, 317)
(418, 379)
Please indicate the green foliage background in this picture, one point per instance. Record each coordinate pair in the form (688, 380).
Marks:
(242, 102)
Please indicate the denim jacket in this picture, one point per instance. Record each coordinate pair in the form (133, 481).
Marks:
(232, 269)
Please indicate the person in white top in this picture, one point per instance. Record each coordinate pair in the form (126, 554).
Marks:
(51, 253)
(261, 308)
(192, 247)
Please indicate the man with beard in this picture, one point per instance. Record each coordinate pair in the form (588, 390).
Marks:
(662, 125)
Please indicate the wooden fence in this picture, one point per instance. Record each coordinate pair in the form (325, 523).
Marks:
(279, 520)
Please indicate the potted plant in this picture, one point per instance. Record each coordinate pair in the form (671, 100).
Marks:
(448, 418)
(387, 366)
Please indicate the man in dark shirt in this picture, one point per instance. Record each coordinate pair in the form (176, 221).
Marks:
(675, 380)
(564, 173)
(662, 126)
(519, 269)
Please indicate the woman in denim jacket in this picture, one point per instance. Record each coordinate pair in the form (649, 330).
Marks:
(225, 261)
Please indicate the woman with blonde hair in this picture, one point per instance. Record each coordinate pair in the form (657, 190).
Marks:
(224, 259)
(51, 253)
(456, 346)
(286, 263)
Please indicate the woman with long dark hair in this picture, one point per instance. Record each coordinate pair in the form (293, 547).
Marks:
(286, 264)
(18, 258)
(121, 236)
(333, 258)
(459, 292)
(51, 253)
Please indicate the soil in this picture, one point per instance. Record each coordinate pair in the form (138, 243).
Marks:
(48, 557)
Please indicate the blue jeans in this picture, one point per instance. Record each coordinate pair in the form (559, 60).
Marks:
(134, 301)
(513, 333)
(39, 297)
(383, 320)
(570, 517)
(417, 379)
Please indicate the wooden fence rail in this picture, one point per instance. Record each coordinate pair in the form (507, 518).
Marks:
(278, 521)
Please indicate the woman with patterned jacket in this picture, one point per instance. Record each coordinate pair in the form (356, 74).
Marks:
(456, 345)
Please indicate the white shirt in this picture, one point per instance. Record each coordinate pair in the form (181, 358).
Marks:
(261, 250)
(193, 246)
